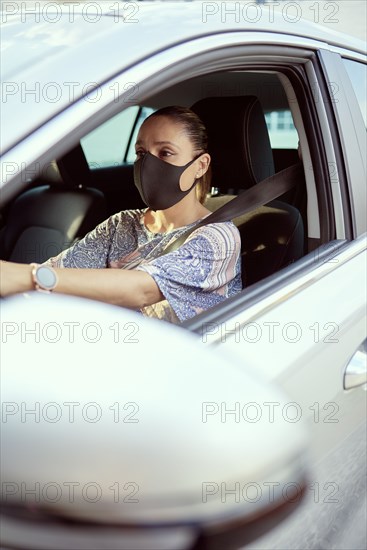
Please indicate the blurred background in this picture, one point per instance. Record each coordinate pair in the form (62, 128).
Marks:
(348, 16)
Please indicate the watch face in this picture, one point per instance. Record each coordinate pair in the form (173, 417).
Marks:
(46, 277)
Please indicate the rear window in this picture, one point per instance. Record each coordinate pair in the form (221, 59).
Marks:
(282, 132)
(358, 75)
(106, 145)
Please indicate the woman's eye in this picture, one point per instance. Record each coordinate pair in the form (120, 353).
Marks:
(165, 153)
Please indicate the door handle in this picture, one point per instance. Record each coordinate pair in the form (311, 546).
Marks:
(355, 373)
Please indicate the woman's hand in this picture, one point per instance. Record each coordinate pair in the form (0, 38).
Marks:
(15, 278)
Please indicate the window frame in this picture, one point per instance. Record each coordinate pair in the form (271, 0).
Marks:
(219, 53)
(345, 119)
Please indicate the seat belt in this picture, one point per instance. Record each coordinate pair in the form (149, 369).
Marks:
(258, 195)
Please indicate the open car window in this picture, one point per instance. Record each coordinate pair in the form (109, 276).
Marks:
(282, 86)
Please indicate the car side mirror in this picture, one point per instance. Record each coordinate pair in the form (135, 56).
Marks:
(125, 432)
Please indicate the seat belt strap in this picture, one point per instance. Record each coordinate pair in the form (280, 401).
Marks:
(258, 195)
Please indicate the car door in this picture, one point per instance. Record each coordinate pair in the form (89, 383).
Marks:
(305, 335)
(308, 332)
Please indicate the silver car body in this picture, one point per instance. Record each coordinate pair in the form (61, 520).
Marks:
(305, 329)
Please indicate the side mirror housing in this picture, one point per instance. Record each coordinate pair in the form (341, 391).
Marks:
(132, 429)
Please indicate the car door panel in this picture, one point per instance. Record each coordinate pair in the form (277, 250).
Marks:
(334, 320)
(305, 343)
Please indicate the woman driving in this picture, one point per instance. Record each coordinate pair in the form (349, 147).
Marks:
(171, 174)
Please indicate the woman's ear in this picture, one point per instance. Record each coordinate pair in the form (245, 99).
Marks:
(204, 162)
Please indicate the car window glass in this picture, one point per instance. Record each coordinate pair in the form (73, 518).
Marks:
(144, 113)
(106, 145)
(358, 75)
(282, 132)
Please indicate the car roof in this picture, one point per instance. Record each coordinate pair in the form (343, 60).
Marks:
(32, 39)
(72, 43)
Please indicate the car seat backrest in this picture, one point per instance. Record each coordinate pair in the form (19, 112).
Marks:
(47, 219)
(272, 236)
(238, 141)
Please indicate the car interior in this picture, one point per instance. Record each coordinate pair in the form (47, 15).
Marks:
(252, 135)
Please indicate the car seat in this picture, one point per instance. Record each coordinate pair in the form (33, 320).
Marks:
(272, 236)
(49, 218)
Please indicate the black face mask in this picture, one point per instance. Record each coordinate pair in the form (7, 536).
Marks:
(158, 181)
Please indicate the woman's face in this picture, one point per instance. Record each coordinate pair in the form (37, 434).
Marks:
(168, 141)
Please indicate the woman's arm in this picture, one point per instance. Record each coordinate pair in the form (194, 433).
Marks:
(130, 288)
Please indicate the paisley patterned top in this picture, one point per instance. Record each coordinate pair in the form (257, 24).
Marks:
(204, 271)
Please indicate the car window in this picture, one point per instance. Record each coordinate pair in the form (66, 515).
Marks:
(106, 145)
(282, 132)
(358, 75)
(144, 113)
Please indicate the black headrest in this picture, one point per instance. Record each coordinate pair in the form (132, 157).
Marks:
(238, 140)
(74, 169)
(69, 172)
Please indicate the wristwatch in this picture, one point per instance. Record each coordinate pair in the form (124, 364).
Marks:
(44, 277)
